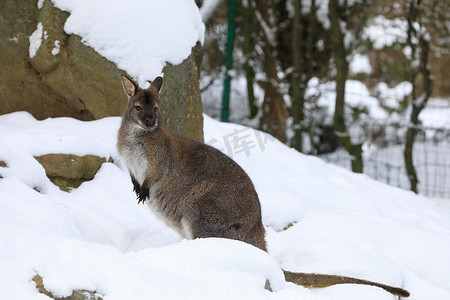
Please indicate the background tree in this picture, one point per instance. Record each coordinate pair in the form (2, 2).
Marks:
(274, 108)
(418, 41)
(291, 49)
(351, 19)
(248, 27)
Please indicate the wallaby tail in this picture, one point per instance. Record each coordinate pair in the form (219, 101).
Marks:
(312, 280)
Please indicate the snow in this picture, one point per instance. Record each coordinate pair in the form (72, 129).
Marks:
(360, 63)
(270, 36)
(392, 97)
(98, 238)
(140, 36)
(40, 3)
(55, 50)
(436, 113)
(321, 11)
(356, 95)
(385, 32)
(208, 8)
(213, 92)
(35, 40)
(319, 217)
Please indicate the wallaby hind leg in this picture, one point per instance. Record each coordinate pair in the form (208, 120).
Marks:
(253, 235)
(234, 231)
(257, 237)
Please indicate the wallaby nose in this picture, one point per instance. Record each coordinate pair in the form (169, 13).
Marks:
(148, 121)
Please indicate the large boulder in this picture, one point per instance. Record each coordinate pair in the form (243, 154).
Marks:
(57, 75)
(181, 103)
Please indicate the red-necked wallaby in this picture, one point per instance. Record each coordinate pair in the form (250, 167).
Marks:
(194, 188)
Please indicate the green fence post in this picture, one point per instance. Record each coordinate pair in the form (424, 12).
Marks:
(228, 61)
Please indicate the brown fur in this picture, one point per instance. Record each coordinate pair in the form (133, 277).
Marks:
(195, 188)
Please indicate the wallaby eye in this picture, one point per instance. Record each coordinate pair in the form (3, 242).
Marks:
(137, 107)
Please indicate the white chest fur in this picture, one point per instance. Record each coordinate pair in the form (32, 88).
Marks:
(134, 156)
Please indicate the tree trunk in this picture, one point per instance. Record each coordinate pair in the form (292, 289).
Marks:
(248, 48)
(225, 112)
(297, 84)
(418, 102)
(408, 156)
(275, 112)
(312, 61)
(180, 98)
(342, 66)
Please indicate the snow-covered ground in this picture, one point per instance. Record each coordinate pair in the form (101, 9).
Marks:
(98, 238)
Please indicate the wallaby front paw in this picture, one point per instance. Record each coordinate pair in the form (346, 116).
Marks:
(136, 189)
(143, 194)
(136, 185)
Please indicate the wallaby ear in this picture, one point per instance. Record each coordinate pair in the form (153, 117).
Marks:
(156, 84)
(129, 86)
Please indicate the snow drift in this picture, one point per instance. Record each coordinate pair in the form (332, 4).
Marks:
(97, 237)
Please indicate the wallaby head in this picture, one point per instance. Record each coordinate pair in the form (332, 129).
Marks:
(143, 104)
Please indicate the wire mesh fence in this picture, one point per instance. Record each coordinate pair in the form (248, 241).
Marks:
(384, 159)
